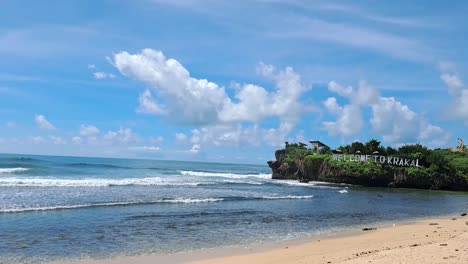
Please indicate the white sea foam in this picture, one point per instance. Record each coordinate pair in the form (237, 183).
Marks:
(77, 206)
(12, 170)
(287, 197)
(343, 191)
(303, 184)
(89, 182)
(225, 175)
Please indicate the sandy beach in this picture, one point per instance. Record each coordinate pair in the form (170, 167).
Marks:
(437, 240)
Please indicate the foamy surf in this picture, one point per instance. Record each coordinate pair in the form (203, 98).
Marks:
(225, 175)
(343, 191)
(79, 206)
(12, 170)
(292, 197)
(50, 182)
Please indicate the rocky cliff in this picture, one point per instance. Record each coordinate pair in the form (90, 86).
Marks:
(323, 168)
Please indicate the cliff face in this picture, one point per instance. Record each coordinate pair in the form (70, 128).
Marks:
(322, 168)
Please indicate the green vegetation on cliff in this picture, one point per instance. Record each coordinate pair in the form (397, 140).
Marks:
(439, 168)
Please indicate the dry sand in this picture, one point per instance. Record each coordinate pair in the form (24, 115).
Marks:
(442, 240)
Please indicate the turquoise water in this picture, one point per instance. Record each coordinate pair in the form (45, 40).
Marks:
(53, 208)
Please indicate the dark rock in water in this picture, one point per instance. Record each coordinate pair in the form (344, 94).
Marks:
(369, 228)
(463, 214)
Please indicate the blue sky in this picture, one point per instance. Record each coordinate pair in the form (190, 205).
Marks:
(229, 81)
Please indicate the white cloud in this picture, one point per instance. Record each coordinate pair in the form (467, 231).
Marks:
(88, 130)
(198, 101)
(391, 119)
(336, 88)
(181, 137)
(395, 121)
(148, 105)
(349, 119)
(91, 66)
(77, 140)
(103, 75)
(42, 122)
(10, 124)
(123, 135)
(57, 140)
(195, 149)
(146, 148)
(191, 100)
(459, 91)
(224, 135)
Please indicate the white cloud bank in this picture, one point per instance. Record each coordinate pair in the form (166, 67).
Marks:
(395, 121)
(193, 101)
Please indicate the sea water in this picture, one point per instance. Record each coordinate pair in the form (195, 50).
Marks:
(54, 208)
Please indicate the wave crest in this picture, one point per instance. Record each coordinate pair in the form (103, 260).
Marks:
(225, 175)
(78, 206)
(12, 170)
(50, 182)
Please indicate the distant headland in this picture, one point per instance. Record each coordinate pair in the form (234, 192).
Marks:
(371, 164)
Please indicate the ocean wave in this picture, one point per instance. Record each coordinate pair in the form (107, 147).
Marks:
(89, 182)
(112, 204)
(343, 191)
(159, 201)
(96, 165)
(292, 197)
(225, 175)
(12, 170)
(303, 184)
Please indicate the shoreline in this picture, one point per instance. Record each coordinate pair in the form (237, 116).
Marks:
(420, 240)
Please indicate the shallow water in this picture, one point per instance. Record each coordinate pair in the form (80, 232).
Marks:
(67, 207)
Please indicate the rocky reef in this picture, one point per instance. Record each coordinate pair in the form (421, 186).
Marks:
(440, 169)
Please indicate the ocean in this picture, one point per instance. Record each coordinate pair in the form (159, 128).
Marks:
(54, 208)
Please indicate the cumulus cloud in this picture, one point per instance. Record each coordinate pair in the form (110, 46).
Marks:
(123, 135)
(195, 101)
(349, 120)
(88, 130)
(43, 123)
(459, 91)
(399, 124)
(148, 105)
(195, 149)
(395, 121)
(181, 137)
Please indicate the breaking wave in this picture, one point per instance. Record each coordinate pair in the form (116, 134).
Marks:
(50, 182)
(78, 206)
(225, 175)
(160, 201)
(12, 170)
